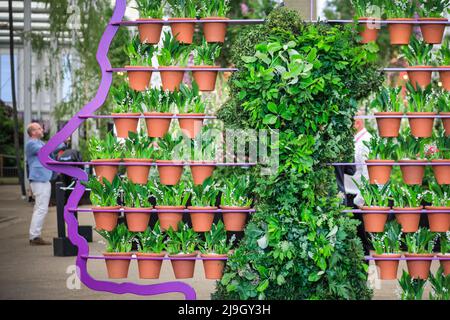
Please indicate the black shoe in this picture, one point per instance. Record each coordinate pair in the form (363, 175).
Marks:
(39, 242)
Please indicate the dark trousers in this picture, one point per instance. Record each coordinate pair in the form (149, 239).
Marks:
(362, 234)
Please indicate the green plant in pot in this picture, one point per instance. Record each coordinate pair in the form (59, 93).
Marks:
(181, 10)
(150, 10)
(171, 199)
(388, 102)
(151, 244)
(205, 56)
(420, 244)
(432, 10)
(138, 154)
(236, 196)
(203, 152)
(107, 150)
(214, 10)
(400, 10)
(439, 154)
(364, 12)
(182, 244)
(172, 55)
(387, 244)
(103, 196)
(170, 165)
(445, 251)
(439, 198)
(136, 198)
(443, 60)
(421, 102)
(439, 285)
(412, 289)
(407, 198)
(215, 246)
(119, 243)
(127, 102)
(140, 55)
(158, 102)
(203, 197)
(444, 110)
(380, 152)
(191, 104)
(418, 54)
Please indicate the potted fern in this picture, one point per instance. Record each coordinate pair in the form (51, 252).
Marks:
(443, 58)
(388, 102)
(400, 11)
(118, 245)
(150, 10)
(191, 105)
(432, 10)
(169, 169)
(213, 248)
(151, 244)
(203, 197)
(140, 55)
(439, 154)
(445, 252)
(158, 103)
(369, 32)
(444, 110)
(407, 198)
(411, 151)
(214, 10)
(235, 197)
(108, 150)
(440, 284)
(418, 55)
(104, 196)
(380, 151)
(421, 102)
(420, 244)
(387, 245)
(205, 56)
(412, 289)
(127, 102)
(181, 244)
(138, 149)
(202, 157)
(439, 198)
(136, 198)
(181, 10)
(172, 55)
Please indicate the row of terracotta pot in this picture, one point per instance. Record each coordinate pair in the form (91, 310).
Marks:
(183, 31)
(438, 221)
(400, 33)
(138, 220)
(158, 127)
(416, 268)
(412, 174)
(423, 77)
(139, 80)
(150, 268)
(420, 127)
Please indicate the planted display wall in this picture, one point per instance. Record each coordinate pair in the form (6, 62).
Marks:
(304, 80)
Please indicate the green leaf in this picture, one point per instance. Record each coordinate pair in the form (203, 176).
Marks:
(270, 119)
(272, 107)
(263, 286)
(248, 59)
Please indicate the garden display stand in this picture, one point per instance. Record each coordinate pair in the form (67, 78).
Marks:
(70, 169)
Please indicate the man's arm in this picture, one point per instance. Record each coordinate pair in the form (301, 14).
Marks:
(33, 148)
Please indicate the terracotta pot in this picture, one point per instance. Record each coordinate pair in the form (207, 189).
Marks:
(170, 175)
(422, 78)
(157, 128)
(169, 219)
(149, 269)
(432, 33)
(379, 174)
(106, 220)
(421, 127)
(234, 221)
(446, 122)
(183, 269)
(191, 127)
(400, 33)
(206, 80)
(418, 268)
(202, 221)
(409, 221)
(138, 174)
(438, 222)
(150, 33)
(388, 268)
(368, 33)
(124, 125)
(137, 221)
(171, 79)
(374, 222)
(445, 78)
(413, 174)
(117, 268)
(201, 173)
(441, 173)
(215, 31)
(213, 268)
(108, 172)
(388, 127)
(183, 31)
(445, 263)
(139, 80)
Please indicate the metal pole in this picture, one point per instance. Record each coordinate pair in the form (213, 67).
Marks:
(27, 72)
(60, 203)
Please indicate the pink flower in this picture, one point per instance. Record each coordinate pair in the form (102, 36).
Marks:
(244, 9)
